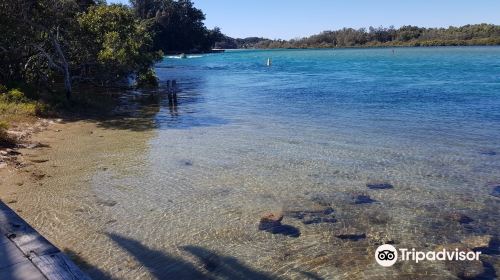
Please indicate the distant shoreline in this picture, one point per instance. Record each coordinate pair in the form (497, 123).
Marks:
(411, 36)
(353, 47)
(373, 47)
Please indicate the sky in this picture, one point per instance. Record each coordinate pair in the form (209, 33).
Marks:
(287, 19)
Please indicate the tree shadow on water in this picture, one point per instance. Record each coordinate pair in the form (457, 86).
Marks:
(164, 266)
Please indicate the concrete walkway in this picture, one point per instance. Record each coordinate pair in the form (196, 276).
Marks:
(26, 255)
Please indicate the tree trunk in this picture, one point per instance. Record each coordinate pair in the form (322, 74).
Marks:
(65, 68)
(67, 84)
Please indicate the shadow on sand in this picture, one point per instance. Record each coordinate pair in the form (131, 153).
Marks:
(211, 264)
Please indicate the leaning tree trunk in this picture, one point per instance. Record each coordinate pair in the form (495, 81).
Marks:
(67, 82)
(61, 65)
(65, 69)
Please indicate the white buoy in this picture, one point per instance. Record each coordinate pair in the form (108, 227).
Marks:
(269, 62)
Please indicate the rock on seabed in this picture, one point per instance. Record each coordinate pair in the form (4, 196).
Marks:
(496, 191)
(379, 186)
(270, 220)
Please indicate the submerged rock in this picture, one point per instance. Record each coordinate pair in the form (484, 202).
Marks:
(461, 218)
(489, 153)
(328, 211)
(271, 222)
(363, 199)
(352, 237)
(187, 162)
(318, 220)
(309, 217)
(351, 234)
(496, 191)
(379, 186)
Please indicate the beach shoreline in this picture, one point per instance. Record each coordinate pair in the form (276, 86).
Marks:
(11, 159)
(55, 161)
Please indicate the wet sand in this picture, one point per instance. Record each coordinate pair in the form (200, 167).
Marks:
(48, 184)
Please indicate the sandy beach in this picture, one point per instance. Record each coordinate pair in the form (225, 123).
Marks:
(58, 160)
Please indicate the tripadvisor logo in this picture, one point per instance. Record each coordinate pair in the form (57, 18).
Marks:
(387, 255)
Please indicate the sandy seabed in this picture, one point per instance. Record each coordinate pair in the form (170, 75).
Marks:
(86, 189)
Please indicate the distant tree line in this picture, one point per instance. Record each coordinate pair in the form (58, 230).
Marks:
(47, 43)
(477, 34)
(245, 43)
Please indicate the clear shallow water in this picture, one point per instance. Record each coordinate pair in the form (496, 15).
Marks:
(307, 134)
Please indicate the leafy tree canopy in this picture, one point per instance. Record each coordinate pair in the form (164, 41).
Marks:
(477, 34)
(46, 42)
(178, 25)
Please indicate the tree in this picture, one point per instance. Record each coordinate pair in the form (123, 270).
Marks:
(116, 44)
(477, 34)
(36, 44)
(68, 41)
(178, 25)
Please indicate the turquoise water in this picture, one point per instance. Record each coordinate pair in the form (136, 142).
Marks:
(307, 136)
(445, 92)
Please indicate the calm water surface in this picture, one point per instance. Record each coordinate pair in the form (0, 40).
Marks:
(305, 137)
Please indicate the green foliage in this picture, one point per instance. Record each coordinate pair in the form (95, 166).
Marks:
(43, 110)
(14, 96)
(15, 106)
(178, 25)
(23, 110)
(4, 125)
(3, 89)
(30, 30)
(478, 34)
(118, 44)
(47, 44)
(147, 79)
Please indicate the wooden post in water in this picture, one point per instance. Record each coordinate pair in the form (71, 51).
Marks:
(174, 91)
(169, 94)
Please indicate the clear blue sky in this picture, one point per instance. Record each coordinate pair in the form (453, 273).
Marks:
(287, 19)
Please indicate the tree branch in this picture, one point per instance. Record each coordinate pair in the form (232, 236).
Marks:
(52, 64)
